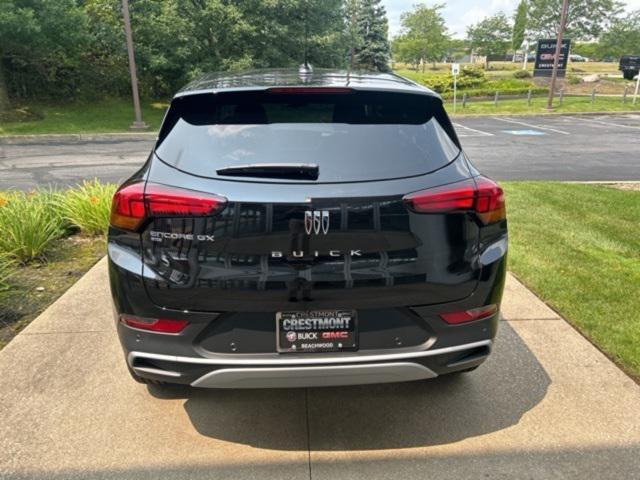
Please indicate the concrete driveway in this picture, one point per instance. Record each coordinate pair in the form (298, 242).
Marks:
(547, 405)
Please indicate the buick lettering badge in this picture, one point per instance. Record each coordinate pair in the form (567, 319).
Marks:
(316, 221)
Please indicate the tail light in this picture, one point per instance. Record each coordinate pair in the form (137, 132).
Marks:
(133, 204)
(454, 318)
(480, 195)
(157, 325)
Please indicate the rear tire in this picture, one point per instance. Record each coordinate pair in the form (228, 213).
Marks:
(629, 74)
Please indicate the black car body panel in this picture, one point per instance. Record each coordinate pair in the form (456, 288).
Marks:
(344, 239)
(261, 252)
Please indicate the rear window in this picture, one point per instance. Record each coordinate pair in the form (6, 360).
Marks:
(630, 59)
(351, 136)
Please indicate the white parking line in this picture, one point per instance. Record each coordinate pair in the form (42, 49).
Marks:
(480, 133)
(539, 127)
(611, 124)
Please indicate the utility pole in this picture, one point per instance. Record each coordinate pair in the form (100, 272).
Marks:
(137, 124)
(556, 58)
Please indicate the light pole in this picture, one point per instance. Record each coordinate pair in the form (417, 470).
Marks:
(137, 124)
(556, 57)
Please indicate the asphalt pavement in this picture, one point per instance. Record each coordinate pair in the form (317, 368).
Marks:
(552, 147)
(547, 405)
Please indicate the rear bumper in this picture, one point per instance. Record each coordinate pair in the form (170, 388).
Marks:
(310, 370)
(237, 349)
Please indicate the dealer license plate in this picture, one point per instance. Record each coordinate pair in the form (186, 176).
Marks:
(316, 331)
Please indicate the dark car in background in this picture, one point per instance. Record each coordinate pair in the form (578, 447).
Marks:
(629, 66)
(296, 228)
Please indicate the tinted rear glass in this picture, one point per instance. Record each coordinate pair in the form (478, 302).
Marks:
(356, 136)
(630, 59)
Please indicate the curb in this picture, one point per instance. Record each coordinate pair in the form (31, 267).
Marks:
(604, 182)
(75, 137)
(541, 114)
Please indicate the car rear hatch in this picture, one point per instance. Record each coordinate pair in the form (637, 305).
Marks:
(273, 200)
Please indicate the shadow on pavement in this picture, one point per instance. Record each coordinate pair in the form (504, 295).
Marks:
(594, 462)
(372, 417)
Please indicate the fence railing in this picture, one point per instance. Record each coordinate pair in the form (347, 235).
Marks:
(463, 98)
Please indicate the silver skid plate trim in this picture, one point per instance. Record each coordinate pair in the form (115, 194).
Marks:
(327, 376)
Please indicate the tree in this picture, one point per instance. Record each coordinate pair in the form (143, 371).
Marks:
(519, 25)
(586, 19)
(373, 53)
(354, 40)
(283, 29)
(591, 50)
(490, 36)
(178, 40)
(423, 37)
(623, 37)
(67, 49)
(15, 24)
(41, 42)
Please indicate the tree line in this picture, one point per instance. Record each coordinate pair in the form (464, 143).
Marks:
(75, 49)
(600, 25)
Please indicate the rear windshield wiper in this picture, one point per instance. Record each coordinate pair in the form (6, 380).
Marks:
(292, 171)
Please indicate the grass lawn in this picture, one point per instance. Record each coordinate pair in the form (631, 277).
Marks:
(538, 106)
(113, 115)
(577, 246)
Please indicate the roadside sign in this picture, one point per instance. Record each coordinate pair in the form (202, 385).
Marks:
(545, 54)
(455, 69)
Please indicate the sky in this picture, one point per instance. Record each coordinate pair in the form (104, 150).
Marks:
(459, 14)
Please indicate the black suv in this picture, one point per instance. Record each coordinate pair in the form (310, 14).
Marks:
(629, 66)
(306, 229)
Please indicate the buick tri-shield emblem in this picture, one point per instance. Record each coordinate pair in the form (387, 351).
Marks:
(316, 221)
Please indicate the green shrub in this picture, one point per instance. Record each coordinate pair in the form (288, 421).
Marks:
(86, 208)
(521, 74)
(470, 77)
(574, 79)
(476, 72)
(29, 222)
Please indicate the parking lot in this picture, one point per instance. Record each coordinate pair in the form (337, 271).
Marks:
(579, 147)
